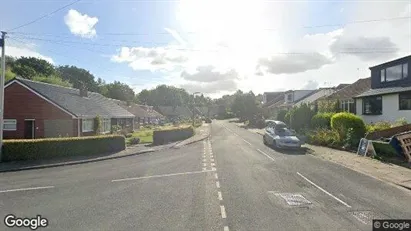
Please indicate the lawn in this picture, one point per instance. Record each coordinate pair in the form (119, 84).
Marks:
(146, 133)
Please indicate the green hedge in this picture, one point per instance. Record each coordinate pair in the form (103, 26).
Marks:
(61, 147)
(171, 135)
(322, 120)
(350, 127)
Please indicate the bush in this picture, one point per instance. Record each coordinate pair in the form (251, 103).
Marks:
(128, 135)
(322, 120)
(325, 137)
(134, 141)
(281, 115)
(343, 121)
(115, 128)
(171, 135)
(300, 117)
(382, 125)
(61, 147)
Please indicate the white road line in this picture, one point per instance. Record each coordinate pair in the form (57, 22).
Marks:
(247, 142)
(212, 164)
(226, 228)
(329, 194)
(204, 169)
(25, 189)
(158, 176)
(213, 169)
(212, 159)
(217, 184)
(223, 214)
(204, 160)
(205, 164)
(216, 175)
(265, 154)
(220, 197)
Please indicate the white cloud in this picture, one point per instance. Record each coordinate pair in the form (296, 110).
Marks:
(176, 36)
(81, 24)
(227, 85)
(210, 74)
(26, 51)
(310, 85)
(290, 64)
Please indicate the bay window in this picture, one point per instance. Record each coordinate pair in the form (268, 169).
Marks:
(347, 105)
(105, 125)
(405, 101)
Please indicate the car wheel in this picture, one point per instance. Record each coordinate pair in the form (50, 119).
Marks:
(274, 145)
(264, 141)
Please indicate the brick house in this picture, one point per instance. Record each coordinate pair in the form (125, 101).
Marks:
(39, 110)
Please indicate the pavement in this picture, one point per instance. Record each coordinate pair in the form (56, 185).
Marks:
(229, 181)
(201, 133)
(381, 170)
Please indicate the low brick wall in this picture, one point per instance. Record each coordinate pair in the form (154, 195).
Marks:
(167, 136)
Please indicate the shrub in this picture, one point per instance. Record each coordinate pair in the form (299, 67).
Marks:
(281, 115)
(171, 135)
(400, 122)
(325, 137)
(128, 135)
(343, 121)
(61, 147)
(300, 117)
(134, 141)
(115, 128)
(382, 125)
(322, 120)
(384, 149)
(97, 124)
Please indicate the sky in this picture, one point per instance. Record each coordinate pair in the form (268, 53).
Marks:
(209, 46)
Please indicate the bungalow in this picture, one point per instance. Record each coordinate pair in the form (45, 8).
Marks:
(389, 98)
(39, 110)
(143, 114)
(287, 100)
(177, 112)
(316, 95)
(344, 96)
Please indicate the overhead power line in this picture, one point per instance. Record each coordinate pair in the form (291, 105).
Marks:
(198, 32)
(44, 16)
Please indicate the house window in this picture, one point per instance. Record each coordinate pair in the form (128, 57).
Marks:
(405, 101)
(372, 105)
(88, 125)
(9, 125)
(289, 98)
(394, 73)
(105, 125)
(347, 105)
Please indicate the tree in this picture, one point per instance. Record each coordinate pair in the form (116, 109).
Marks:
(79, 76)
(120, 91)
(164, 95)
(28, 67)
(53, 79)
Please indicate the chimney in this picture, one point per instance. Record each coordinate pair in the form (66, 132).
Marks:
(83, 90)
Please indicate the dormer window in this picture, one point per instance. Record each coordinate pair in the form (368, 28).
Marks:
(394, 73)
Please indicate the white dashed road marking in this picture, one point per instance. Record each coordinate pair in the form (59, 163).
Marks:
(223, 214)
(25, 189)
(226, 228)
(265, 154)
(216, 176)
(323, 190)
(217, 184)
(220, 196)
(158, 176)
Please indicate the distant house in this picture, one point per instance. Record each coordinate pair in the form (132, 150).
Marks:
(37, 110)
(143, 114)
(345, 96)
(316, 95)
(268, 97)
(390, 95)
(285, 101)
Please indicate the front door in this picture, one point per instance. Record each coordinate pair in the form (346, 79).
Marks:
(29, 129)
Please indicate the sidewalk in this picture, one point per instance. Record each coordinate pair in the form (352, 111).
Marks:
(201, 133)
(383, 171)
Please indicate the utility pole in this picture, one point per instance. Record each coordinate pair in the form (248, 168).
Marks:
(2, 78)
(193, 108)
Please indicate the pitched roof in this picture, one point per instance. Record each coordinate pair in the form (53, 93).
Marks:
(348, 92)
(383, 91)
(315, 95)
(275, 100)
(70, 100)
(138, 110)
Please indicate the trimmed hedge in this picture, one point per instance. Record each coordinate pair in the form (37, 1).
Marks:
(171, 135)
(350, 127)
(322, 120)
(61, 147)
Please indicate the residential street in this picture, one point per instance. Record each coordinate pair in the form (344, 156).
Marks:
(229, 182)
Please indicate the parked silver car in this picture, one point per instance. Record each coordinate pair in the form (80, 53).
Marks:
(278, 135)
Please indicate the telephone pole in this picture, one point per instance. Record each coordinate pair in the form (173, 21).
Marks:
(2, 79)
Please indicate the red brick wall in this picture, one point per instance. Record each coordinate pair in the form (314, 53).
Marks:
(20, 103)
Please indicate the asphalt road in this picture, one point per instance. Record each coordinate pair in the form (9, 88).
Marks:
(229, 182)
